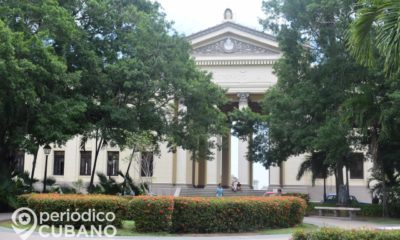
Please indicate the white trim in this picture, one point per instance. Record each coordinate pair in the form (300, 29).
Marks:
(234, 62)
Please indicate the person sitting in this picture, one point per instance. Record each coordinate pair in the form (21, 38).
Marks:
(238, 186)
(220, 191)
(234, 186)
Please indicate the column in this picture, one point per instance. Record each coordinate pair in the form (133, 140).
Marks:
(212, 166)
(226, 161)
(180, 166)
(245, 166)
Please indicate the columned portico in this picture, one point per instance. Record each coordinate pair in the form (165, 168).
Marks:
(240, 60)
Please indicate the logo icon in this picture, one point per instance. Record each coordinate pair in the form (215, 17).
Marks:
(24, 222)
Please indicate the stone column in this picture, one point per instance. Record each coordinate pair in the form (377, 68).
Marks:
(212, 167)
(181, 169)
(179, 159)
(226, 161)
(245, 166)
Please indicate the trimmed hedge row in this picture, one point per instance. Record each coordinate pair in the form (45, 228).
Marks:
(152, 214)
(169, 214)
(339, 234)
(91, 205)
(206, 215)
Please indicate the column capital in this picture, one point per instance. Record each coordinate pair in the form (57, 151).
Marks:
(243, 96)
(243, 100)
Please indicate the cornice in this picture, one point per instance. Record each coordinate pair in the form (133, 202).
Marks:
(235, 62)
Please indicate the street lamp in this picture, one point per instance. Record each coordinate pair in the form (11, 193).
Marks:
(47, 150)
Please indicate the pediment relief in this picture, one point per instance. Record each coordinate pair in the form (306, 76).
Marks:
(232, 46)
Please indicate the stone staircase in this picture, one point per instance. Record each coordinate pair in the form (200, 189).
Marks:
(210, 192)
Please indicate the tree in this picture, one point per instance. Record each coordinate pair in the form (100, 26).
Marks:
(374, 35)
(315, 163)
(35, 80)
(315, 77)
(138, 70)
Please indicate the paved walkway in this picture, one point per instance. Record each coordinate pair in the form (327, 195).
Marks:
(5, 216)
(344, 223)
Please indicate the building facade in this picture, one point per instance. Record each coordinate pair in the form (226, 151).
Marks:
(241, 61)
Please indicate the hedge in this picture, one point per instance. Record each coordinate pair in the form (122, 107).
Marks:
(169, 214)
(207, 215)
(48, 203)
(367, 210)
(152, 214)
(339, 234)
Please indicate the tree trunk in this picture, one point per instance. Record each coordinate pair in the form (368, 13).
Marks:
(33, 168)
(99, 143)
(194, 173)
(127, 171)
(340, 195)
(45, 175)
(325, 189)
(347, 185)
(378, 166)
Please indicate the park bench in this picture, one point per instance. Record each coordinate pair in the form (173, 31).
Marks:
(336, 209)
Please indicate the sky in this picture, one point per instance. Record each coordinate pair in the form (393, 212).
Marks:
(191, 16)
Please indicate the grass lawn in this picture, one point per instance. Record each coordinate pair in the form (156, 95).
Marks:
(304, 227)
(128, 226)
(380, 220)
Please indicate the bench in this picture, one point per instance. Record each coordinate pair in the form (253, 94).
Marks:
(336, 209)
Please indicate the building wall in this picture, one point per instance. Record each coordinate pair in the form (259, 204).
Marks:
(358, 187)
(246, 78)
(162, 163)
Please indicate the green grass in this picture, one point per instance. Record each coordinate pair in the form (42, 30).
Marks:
(303, 227)
(127, 229)
(380, 220)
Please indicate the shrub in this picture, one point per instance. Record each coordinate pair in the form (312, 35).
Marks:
(152, 214)
(48, 203)
(207, 215)
(304, 196)
(336, 234)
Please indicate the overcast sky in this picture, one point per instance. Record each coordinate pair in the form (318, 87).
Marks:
(191, 16)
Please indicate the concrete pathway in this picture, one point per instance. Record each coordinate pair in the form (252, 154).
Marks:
(5, 216)
(344, 223)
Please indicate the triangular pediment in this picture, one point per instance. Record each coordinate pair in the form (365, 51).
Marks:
(233, 40)
(232, 45)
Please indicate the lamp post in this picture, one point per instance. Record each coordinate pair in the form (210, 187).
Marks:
(47, 150)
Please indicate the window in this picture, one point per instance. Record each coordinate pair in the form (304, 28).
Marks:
(58, 163)
(86, 162)
(112, 163)
(357, 166)
(20, 161)
(146, 164)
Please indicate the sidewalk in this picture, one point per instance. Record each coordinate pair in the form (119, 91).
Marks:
(344, 223)
(5, 216)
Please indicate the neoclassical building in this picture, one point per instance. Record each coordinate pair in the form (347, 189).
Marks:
(240, 60)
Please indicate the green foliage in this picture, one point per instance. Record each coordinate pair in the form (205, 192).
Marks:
(152, 214)
(336, 234)
(109, 186)
(374, 35)
(205, 215)
(105, 69)
(19, 184)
